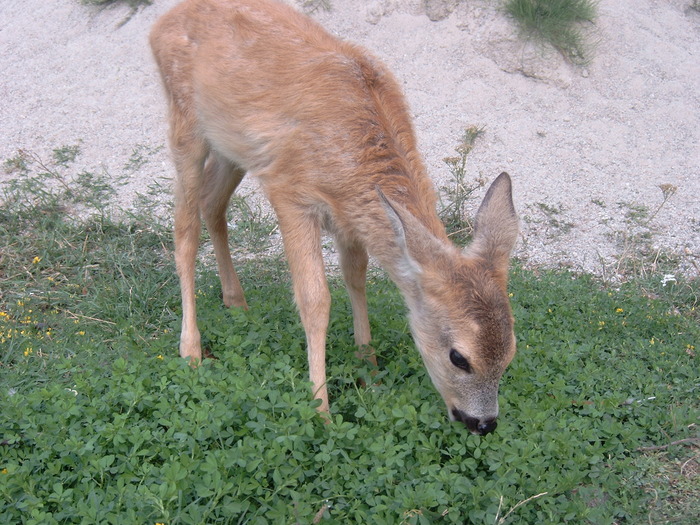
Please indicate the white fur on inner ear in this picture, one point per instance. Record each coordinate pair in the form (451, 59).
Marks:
(496, 226)
(407, 267)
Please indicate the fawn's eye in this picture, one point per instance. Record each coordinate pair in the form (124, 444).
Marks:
(459, 360)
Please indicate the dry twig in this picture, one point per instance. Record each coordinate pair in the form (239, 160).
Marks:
(673, 443)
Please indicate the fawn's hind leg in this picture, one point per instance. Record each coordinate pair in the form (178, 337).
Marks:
(189, 154)
(221, 178)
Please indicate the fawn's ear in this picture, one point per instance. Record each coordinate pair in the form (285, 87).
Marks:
(418, 247)
(496, 225)
(407, 265)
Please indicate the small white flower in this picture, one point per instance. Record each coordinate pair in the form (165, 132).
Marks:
(668, 278)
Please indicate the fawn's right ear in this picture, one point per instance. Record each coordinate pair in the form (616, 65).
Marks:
(407, 266)
(496, 224)
(417, 245)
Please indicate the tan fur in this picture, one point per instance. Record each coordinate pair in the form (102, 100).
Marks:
(253, 86)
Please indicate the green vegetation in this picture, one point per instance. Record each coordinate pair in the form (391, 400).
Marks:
(251, 227)
(638, 255)
(140, 156)
(558, 22)
(310, 6)
(551, 217)
(102, 422)
(134, 4)
(457, 197)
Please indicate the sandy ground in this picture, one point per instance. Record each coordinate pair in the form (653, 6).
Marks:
(583, 145)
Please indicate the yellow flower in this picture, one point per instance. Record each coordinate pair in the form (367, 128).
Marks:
(82, 332)
(3, 471)
(619, 310)
(28, 351)
(36, 260)
(159, 357)
(651, 341)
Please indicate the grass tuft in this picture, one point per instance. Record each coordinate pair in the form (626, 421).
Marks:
(557, 22)
(134, 4)
(311, 6)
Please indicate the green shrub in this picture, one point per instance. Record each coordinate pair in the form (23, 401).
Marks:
(557, 22)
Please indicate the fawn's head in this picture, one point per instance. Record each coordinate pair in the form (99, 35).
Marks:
(459, 308)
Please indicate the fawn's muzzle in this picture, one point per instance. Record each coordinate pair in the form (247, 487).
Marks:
(475, 425)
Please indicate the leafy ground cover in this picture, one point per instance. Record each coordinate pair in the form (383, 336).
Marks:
(103, 423)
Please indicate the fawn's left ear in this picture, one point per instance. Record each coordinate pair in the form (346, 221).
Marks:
(496, 225)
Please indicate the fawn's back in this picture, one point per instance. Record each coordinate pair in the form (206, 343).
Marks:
(306, 113)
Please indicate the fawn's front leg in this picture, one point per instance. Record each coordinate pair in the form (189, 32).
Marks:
(301, 234)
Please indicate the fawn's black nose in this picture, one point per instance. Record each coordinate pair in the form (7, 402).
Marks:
(476, 426)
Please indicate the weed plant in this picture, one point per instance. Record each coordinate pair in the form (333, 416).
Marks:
(251, 226)
(456, 198)
(140, 156)
(552, 217)
(638, 255)
(102, 422)
(557, 22)
(134, 4)
(311, 6)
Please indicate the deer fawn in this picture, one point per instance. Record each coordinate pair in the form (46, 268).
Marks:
(254, 86)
